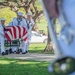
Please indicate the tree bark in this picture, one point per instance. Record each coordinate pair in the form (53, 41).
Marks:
(49, 46)
(35, 28)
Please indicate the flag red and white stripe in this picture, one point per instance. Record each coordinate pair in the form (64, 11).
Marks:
(15, 32)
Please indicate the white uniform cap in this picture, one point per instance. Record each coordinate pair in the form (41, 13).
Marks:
(29, 14)
(2, 19)
(20, 14)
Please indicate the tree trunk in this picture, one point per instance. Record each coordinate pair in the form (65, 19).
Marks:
(49, 46)
(35, 28)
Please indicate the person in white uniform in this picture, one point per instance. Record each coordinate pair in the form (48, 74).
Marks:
(67, 45)
(2, 36)
(19, 21)
(30, 24)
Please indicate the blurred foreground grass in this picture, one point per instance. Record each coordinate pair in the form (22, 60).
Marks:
(22, 67)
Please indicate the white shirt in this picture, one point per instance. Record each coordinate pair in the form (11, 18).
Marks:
(1, 29)
(17, 22)
(31, 24)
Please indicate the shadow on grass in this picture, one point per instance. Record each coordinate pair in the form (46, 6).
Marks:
(40, 51)
(19, 67)
(39, 48)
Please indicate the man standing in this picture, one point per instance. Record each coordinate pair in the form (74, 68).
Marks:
(30, 24)
(69, 12)
(2, 37)
(19, 21)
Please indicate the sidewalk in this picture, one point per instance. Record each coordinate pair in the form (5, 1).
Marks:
(31, 56)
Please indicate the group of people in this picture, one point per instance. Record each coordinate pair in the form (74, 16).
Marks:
(27, 22)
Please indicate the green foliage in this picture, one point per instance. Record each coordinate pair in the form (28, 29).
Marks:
(2, 0)
(7, 14)
(38, 4)
(42, 25)
(22, 10)
(22, 67)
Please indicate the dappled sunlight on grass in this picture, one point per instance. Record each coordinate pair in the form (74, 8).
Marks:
(26, 62)
(4, 62)
(19, 67)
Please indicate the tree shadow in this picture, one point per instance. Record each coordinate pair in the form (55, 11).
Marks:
(22, 67)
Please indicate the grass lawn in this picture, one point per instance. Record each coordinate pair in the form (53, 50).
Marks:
(38, 48)
(22, 67)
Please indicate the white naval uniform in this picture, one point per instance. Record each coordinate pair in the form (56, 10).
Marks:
(31, 24)
(2, 39)
(69, 10)
(22, 23)
(68, 49)
(17, 22)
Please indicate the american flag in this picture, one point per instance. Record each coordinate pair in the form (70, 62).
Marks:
(15, 32)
